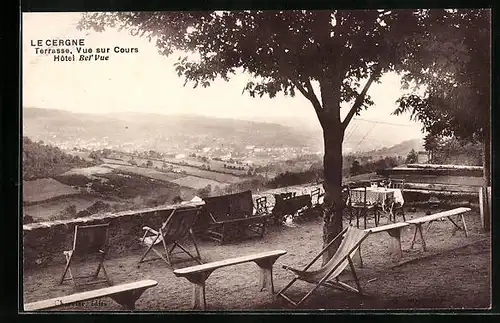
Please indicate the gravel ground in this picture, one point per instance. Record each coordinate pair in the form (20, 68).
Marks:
(453, 273)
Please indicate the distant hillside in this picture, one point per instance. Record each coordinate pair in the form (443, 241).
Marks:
(156, 131)
(401, 149)
(40, 160)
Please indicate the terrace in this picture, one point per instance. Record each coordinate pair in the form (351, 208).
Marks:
(422, 279)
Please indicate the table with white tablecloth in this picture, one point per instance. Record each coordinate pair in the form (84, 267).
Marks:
(377, 195)
(384, 198)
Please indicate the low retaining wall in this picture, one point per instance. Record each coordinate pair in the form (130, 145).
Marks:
(44, 242)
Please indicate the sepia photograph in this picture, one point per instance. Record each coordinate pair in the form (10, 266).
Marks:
(256, 160)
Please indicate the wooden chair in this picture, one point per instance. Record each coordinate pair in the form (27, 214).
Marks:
(89, 241)
(358, 206)
(377, 181)
(316, 195)
(328, 275)
(176, 230)
(261, 206)
(397, 207)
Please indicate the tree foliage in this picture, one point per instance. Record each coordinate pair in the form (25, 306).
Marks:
(284, 51)
(325, 55)
(451, 150)
(355, 168)
(452, 63)
(412, 157)
(41, 160)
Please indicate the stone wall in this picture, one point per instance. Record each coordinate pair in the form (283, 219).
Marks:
(44, 242)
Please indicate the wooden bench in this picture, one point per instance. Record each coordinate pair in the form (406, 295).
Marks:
(289, 206)
(229, 217)
(433, 217)
(199, 274)
(394, 231)
(124, 294)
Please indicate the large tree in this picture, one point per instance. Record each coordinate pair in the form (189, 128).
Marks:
(329, 57)
(452, 65)
(455, 51)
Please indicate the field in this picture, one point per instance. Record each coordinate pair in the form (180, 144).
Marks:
(216, 165)
(114, 161)
(44, 211)
(197, 182)
(191, 170)
(454, 273)
(147, 172)
(89, 171)
(219, 177)
(44, 189)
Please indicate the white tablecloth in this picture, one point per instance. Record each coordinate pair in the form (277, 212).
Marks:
(377, 195)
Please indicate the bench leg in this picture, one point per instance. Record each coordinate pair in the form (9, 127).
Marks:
(414, 237)
(266, 279)
(199, 301)
(418, 228)
(457, 227)
(424, 247)
(266, 274)
(465, 225)
(127, 299)
(397, 252)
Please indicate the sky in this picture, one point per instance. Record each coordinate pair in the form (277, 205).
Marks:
(147, 82)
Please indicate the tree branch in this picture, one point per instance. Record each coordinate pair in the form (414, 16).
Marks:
(301, 89)
(311, 96)
(359, 99)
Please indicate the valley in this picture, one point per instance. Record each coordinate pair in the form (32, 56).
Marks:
(104, 163)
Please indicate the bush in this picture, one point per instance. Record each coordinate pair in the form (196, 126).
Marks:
(98, 207)
(204, 192)
(289, 178)
(83, 213)
(412, 157)
(40, 160)
(177, 200)
(28, 219)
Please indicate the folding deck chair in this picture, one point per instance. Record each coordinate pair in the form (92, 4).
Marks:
(328, 275)
(89, 241)
(176, 229)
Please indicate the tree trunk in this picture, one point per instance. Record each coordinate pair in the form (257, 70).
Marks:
(487, 180)
(333, 136)
(333, 203)
(487, 161)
